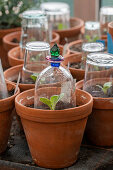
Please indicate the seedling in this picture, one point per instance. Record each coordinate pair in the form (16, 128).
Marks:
(53, 100)
(105, 87)
(32, 39)
(36, 58)
(34, 76)
(61, 26)
(89, 39)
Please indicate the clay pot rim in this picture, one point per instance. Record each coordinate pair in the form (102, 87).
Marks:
(8, 30)
(73, 55)
(81, 23)
(51, 112)
(12, 57)
(74, 43)
(95, 98)
(14, 95)
(20, 84)
(16, 33)
(56, 116)
(12, 51)
(6, 37)
(57, 37)
(5, 30)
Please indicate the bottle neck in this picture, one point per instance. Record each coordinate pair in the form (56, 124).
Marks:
(55, 64)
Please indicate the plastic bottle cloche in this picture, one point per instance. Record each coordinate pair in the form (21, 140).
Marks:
(54, 88)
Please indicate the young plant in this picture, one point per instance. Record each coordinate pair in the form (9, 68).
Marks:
(105, 87)
(34, 76)
(89, 39)
(61, 26)
(53, 100)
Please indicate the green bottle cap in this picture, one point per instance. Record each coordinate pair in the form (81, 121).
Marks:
(55, 51)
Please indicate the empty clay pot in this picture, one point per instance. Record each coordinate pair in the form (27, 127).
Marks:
(54, 137)
(14, 56)
(73, 32)
(9, 38)
(3, 52)
(99, 129)
(77, 74)
(11, 75)
(6, 115)
(77, 45)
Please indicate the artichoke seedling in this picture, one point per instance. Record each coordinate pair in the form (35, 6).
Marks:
(89, 39)
(34, 76)
(53, 100)
(105, 87)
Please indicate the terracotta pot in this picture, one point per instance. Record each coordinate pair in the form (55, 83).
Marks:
(54, 137)
(14, 54)
(8, 44)
(6, 115)
(14, 57)
(99, 129)
(76, 44)
(56, 38)
(3, 53)
(12, 73)
(73, 33)
(7, 40)
(77, 74)
(110, 28)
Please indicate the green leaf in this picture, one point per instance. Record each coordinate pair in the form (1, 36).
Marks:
(99, 86)
(88, 38)
(95, 38)
(34, 76)
(46, 101)
(55, 99)
(107, 85)
(105, 90)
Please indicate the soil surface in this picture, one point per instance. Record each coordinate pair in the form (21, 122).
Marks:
(75, 65)
(14, 40)
(10, 93)
(96, 91)
(77, 47)
(29, 81)
(59, 106)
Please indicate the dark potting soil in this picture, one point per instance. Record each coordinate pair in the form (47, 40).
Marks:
(14, 40)
(10, 93)
(75, 65)
(95, 91)
(59, 106)
(30, 81)
(77, 47)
